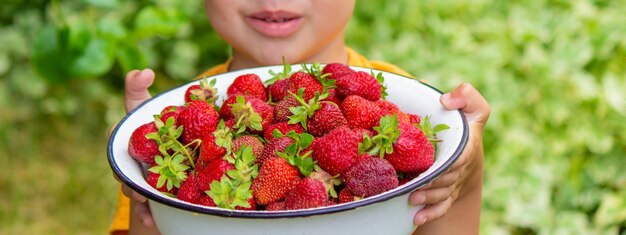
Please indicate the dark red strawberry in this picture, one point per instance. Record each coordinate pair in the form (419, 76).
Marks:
(336, 151)
(325, 119)
(198, 120)
(307, 81)
(406, 177)
(248, 85)
(332, 97)
(141, 148)
(275, 179)
(226, 108)
(283, 127)
(336, 70)
(206, 200)
(213, 172)
(273, 147)
(370, 176)
(275, 206)
(251, 141)
(414, 119)
(281, 110)
(278, 90)
(309, 193)
(209, 151)
(152, 180)
(204, 91)
(360, 113)
(412, 151)
(358, 83)
(171, 111)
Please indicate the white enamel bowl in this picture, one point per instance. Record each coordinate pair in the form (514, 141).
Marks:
(386, 213)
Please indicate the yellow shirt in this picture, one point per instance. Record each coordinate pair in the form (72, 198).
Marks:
(121, 217)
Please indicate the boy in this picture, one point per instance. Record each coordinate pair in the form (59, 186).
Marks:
(261, 33)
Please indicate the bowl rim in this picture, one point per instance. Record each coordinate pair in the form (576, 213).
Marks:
(287, 213)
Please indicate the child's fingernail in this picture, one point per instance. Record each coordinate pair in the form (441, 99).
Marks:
(420, 221)
(419, 199)
(445, 97)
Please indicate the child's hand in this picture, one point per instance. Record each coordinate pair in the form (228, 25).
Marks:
(136, 92)
(463, 179)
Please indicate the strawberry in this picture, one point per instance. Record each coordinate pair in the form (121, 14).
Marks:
(345, 196)
(370, 176)
(360, 113)
(213, 171)
(283, 127)
(404, 178)
(332, 97)
(248, 85)
(278, 90)
(414, 119)
(206, 200)
(198, 120)
(325, 119)
(282, 109)
(189, 190)
(215, 145)
(232, 190)
(142, 148)
(275, 206)
(336, 151)
(251, 141)
(153, 179)
(171, 111)
(204, 91)
(275, 179)
(225, 111)
(252, 114)
(336, 70)
(306, 81)
(309, 193)
(358, 83)
(389, 108)
(272, 147)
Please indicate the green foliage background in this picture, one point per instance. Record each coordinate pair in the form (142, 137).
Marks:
(553, 71)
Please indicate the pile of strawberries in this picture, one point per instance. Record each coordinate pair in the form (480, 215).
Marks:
(304, 139)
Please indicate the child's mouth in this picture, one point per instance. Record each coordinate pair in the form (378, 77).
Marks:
(278, 24)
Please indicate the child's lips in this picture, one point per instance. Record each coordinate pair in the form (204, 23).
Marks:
(278, 24)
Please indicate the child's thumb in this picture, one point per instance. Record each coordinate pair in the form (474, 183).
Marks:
(136, 87)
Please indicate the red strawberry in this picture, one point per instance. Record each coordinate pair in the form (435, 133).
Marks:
(209, 151)
(226, 108)
(326, 119)
(204, 91)
(346, 196)
(406, 177)
(332, 97)
(249, 85)
(281, 110)
(198, 120)
(152, 180)
(141, 148)
(414, 119)
(252, 114)
(206, 200)
(412, 151)
(307, 81)
(189, 190)
(275, 206)
(213, 172)
(275, 179)
(283, 127)
(336, 70)
(370, 176)
(358, 83)
(278, 89)
(336, 151)
(389, 108)
(309, 193)
(272, 147)
(171, 111)
(360, 113)
(251, 141)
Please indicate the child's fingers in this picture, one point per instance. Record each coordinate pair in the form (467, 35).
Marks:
(432, 212)
(144, 214)
(136, 87)
(430, 197)
(445, 180)
(469, 100)
(133, 195)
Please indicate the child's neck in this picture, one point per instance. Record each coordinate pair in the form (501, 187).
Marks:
(334, 53)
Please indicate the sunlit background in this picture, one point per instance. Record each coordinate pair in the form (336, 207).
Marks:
(554, 72)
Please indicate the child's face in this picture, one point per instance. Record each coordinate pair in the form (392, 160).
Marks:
(262, 32)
